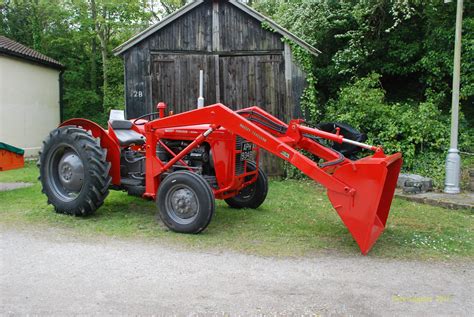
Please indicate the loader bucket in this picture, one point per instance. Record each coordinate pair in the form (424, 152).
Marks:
(365, 211)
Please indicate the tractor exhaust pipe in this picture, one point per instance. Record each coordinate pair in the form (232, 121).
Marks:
(200, 101)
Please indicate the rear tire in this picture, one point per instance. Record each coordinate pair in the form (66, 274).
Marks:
(253, 195)
(74, 171)
(186, 202)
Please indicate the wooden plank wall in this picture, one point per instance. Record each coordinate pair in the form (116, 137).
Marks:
(241, 32)
(191, 32)
(137, 81)
(176, 80)
(245, 65)
(256, 81)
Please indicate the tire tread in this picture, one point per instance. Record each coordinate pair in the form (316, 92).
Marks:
(98, 170)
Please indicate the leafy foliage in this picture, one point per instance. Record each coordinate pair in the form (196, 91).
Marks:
(403, 127)
(408, 42)
(419, 130)
(386, 68)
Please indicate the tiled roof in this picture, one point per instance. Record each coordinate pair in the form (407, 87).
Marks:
(12, 48)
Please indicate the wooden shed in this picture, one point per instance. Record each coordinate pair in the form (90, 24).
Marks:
(245, 59)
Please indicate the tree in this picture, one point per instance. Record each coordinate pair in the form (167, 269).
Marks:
(112, 19)
(172, 5)
(408, 42)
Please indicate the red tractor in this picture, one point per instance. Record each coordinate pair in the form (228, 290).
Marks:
(185, 161)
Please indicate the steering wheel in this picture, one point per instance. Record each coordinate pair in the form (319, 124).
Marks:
(151, 116)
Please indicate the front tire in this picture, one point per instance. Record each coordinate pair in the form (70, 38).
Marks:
(74, 171)
(253, 195)
(186, 202)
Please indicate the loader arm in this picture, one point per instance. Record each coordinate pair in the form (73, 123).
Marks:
(360, 191)
(281, 145)
(295, 138)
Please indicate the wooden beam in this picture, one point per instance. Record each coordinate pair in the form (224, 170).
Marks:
(288, 79)
(288, 59)
(220, 53)
(218, 80)
(125, 84)
(149, 93)
(215, 27)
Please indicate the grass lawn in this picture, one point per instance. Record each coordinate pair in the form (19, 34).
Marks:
(297, 219)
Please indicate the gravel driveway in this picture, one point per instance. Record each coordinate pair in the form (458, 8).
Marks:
(54, 273)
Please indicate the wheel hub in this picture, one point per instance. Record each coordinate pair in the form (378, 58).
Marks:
(184, 203)
(247, 192)
(71, 172)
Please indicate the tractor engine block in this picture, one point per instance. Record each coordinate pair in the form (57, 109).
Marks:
(199, 159)
(132, 164)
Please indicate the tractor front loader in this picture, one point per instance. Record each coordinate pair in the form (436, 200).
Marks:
(186, 161)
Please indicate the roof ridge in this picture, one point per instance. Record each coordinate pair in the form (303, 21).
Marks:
(13, 48)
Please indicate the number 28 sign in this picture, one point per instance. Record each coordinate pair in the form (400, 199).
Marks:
(137, 94)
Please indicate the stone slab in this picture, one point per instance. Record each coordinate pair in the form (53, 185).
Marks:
(460, 201)
(12, 186)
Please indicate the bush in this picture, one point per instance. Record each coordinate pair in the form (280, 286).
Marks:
(410, 128)
(420, 131)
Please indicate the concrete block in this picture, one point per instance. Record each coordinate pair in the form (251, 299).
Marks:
(414, 184)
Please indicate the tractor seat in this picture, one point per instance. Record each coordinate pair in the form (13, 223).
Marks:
(125, 135)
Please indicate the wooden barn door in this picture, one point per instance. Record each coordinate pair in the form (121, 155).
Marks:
(176, 80)
(253, 80)
(247, 81)
(236, 81)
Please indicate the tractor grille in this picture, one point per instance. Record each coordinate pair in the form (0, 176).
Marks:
(238, 143)
(239, 163)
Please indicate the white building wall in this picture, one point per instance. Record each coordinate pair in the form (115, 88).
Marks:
(29, 103)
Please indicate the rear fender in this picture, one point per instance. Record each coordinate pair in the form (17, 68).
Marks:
(106, 142)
